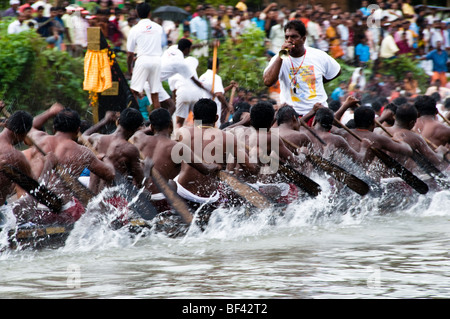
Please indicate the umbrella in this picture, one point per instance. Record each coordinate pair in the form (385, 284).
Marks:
(171, 13)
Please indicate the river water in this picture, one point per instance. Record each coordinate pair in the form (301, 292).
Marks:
(319, 248)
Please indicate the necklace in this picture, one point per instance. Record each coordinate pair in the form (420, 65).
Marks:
(205, 126)
(294, 81)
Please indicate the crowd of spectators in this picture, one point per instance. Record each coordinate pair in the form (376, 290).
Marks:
(384, 29)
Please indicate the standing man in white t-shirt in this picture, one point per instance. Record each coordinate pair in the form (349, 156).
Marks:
(223, 108)
(303, 73)
(144, 39)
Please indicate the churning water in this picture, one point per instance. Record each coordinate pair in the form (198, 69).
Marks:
(344, 247)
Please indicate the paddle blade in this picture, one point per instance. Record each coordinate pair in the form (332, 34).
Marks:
(341, 175)
(302, 181)
(139, 200)
(178, 204)
(81, 192)
(254, 197)
(402, 172)
(32, 187)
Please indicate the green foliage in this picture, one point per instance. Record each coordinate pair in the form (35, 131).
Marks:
(401, 65)
(346, 75)
(242, 61)
(33, 76)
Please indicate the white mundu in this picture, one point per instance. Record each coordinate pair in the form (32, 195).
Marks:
(301, 79)
(144, 39)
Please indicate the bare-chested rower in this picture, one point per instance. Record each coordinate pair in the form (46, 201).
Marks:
(428, 125)
(115, 146)
(70, 156)
(210, 145)
(14, 132)
(405, 119)
(265, 143)
(158, 149)
(336, 145)
(364, 118)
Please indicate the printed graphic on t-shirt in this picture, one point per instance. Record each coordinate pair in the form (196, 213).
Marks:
(303, 83)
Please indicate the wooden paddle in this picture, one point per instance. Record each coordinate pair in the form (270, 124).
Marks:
(423, 162)
(214, 66)
(398, 169)
(341, 175)
(254, 197)
(41, 193)
(138, 199)
(300, 180)
(444, 118)
(302, 122)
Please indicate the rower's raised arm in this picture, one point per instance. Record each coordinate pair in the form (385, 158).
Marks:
(41, 119)
(110, 117)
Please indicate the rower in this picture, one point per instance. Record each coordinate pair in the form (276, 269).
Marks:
(336, 145)
(364, 118)
(405, 120)
(115, 147)
(14, 132)
(427, 124)
(60, 149)
(210, 145)
(289, 128)
(156, 149)
(270, 150)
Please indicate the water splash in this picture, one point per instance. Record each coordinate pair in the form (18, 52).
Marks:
(98, 228)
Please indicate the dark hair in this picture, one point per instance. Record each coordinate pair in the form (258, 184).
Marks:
(262, 114)
(242, 106)
(334, 105)
(325, 116)
(350, 123)
(205, 110)
(447, 103)
(376, 106)
(84, 125)
(110, 2)
(425, 105)
(225, 125)
(143, 10)
(210, 63)
(406, 113)
(297, 25)
(364, 117)
(184, 44)
(400, 101)
(436, 96)
(67, 121)
(285, 114)
(20, 122)
(131, 119)
(392, 107)
(382, 100)
(160, 119)
(237, 116)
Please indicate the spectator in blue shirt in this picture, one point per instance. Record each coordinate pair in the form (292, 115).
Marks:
(338, 92)
(362, 52)
(199, 26)
(439, 58)
(365, 11)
